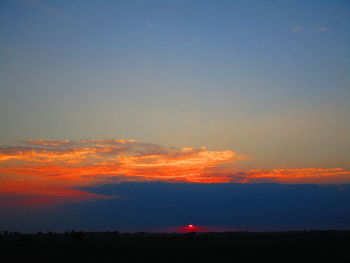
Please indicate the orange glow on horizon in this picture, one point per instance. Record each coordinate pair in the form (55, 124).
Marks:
(44, 170)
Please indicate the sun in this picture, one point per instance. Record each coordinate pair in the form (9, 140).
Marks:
(190, 228)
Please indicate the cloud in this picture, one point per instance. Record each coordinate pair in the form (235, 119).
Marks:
(56, 171)
(150, 24)
(45, 8)
(297, 29)
(44, 170)
(322, 29)
(294, 176)
(38, 193)
(45, 142)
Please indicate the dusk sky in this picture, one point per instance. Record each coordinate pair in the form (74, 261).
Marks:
(150, 115)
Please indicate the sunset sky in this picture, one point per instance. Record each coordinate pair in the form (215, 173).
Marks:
(151, 115)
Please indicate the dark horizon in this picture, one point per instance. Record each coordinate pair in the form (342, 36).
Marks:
(185, 247)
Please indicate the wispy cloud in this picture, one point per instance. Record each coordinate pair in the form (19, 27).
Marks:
(322, 29)
(294, 176)
(296, 28)
(44, 171)
(45, 8)
(151, 24)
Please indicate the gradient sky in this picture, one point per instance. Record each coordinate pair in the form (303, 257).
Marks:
(101, 95)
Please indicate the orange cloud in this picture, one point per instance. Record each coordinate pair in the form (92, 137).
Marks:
(296, 176)
(52, 171)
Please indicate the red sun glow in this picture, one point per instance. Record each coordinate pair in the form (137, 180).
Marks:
(190, 228)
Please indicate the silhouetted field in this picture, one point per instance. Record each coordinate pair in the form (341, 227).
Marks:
(189, 247)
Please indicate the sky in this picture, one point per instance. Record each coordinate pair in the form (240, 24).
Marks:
(152, 115)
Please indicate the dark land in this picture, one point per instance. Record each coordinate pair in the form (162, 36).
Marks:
(72, 246)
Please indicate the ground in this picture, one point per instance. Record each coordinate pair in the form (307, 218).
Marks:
(188, 247)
